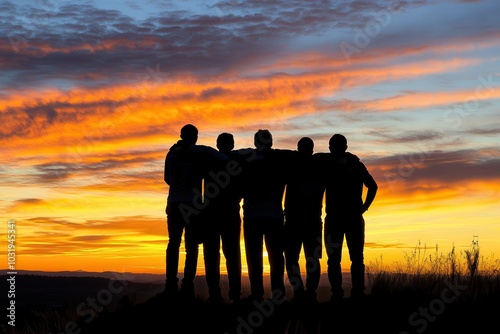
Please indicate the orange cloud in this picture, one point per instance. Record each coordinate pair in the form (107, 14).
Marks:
(84, 122)
(416, 100)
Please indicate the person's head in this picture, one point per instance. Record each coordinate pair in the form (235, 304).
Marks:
(263, 139)
(305, 145)
(337, 143)
(189, 133)
(225, 142)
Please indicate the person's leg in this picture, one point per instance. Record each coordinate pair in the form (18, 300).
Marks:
(275, 250)
(293, 246)
(230, 234)
(211, 257)
(313, 248)
(175, 227)
(355, 239)
(191, 262)
(253, 237)
(334, 237)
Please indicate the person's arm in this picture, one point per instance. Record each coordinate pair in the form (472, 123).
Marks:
(247, 154)
(372, 187)
(209, 152)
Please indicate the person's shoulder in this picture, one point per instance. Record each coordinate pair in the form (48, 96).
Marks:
(352, 157)
(283, 152)
(203, 149)
(320, 156)
(176, 145)
(238, 154)
(175, 149)
(356, 162)
(323, 158)
(243, 154)
(243, 151)
(200, 147)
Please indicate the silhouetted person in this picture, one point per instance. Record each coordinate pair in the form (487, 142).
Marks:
(223, 214)
(303, 224)
(263, 220)
(346, 176)
(185, 166)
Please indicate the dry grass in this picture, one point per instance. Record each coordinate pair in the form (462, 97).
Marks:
(428, 274)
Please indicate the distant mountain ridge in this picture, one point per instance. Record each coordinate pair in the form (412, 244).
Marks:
(129, 276)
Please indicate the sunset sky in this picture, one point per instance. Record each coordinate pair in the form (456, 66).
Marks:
(93, 94)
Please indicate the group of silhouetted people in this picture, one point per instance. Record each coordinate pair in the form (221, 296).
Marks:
(207, 185)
